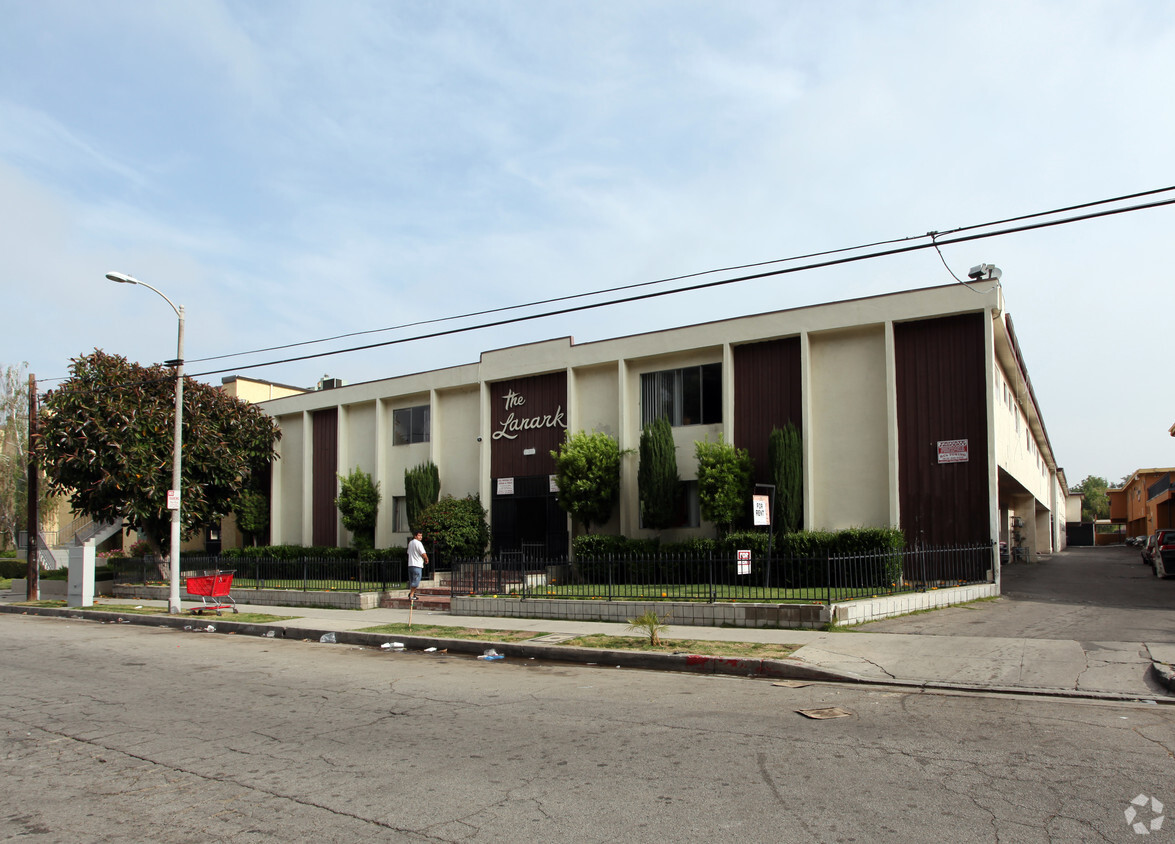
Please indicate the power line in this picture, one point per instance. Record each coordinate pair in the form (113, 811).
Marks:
(934, 243)
(639, 285)
(935, 240)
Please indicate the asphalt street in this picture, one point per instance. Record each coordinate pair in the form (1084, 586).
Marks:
(129, 733)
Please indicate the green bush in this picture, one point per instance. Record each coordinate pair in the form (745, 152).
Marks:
(724, 483)
(457, 525)
(597, 545)
(358, 505)
(588, 470)
(422, 489)
(754, 541)
(318, 552)
(100, 573)
(699, 547)
(13, 568)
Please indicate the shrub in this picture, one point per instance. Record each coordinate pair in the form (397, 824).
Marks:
(754, 541)
(457, 525)
(10, 568)
(358, 503)
(785, 460)
(588, 470)
(422, 489)
(657, 478)
(698, 547)
(253, 514)
(724, 482)
(597, 545)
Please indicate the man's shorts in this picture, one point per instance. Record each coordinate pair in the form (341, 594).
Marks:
(414, 573)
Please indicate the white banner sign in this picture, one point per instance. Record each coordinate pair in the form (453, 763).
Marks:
(744, 562)
(761, 506)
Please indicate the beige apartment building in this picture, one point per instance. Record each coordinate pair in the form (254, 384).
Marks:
(915, 409)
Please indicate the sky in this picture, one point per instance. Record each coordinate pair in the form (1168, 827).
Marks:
(293, 171)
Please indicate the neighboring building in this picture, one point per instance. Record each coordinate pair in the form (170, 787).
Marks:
(915, 408)
(1144, 503)
(254, 390)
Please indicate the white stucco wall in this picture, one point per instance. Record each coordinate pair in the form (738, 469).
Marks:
(848, 446)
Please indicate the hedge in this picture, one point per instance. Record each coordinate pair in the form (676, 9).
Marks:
(319, 552)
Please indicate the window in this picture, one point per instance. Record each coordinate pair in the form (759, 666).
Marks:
(688, 396)
(410, 425)
(399, 514)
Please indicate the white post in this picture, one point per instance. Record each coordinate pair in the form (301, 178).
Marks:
(80, 587)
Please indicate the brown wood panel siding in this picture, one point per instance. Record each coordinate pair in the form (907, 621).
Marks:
(545, 399)
(767, 394)
(325, 450)
(942, 395)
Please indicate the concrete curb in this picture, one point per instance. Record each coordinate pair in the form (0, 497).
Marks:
(691, 663)
(1164, 674)
(780, 669)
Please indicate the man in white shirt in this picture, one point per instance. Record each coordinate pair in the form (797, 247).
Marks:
(417, 559)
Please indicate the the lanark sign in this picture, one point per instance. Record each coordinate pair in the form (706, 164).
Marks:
(514, 423)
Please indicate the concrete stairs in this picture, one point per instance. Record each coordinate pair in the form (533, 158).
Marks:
(428, 598)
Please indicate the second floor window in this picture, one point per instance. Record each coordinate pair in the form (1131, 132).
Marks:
(688, 396)
(410, 425)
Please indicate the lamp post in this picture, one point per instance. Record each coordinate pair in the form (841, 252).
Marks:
(173, 599)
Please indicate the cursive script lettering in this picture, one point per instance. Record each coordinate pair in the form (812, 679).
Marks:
(512, 424)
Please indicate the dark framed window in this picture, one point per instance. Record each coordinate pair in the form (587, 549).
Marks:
(399, 514)
(691, 395)
(410, 425)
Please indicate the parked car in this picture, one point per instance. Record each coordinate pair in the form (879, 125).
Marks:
(1163, 557)
(1148, 549)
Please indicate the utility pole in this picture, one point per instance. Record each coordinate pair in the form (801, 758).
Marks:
(32, 592)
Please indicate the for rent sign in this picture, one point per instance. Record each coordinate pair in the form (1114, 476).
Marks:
(953, 451)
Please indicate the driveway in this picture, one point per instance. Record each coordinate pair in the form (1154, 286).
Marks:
(1083, 594)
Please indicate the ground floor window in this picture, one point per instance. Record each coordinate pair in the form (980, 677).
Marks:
(399, 514)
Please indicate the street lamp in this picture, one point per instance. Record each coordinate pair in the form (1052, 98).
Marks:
(173, 599)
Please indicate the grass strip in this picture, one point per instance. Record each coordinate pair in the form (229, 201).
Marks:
(129, 609)
(705, 647)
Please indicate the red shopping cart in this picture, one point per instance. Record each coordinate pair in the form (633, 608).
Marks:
(212, 587)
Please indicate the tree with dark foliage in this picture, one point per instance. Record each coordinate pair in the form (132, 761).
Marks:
(106, 437)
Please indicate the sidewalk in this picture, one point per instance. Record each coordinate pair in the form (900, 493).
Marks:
(1108, 670)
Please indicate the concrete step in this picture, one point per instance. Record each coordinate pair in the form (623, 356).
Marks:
(431, 603)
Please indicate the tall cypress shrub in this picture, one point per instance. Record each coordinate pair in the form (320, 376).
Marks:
(422, 489)
(657, 476)
(785, 456)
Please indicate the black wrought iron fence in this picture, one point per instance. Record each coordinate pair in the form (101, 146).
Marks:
(825, 579)
(306, 574)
